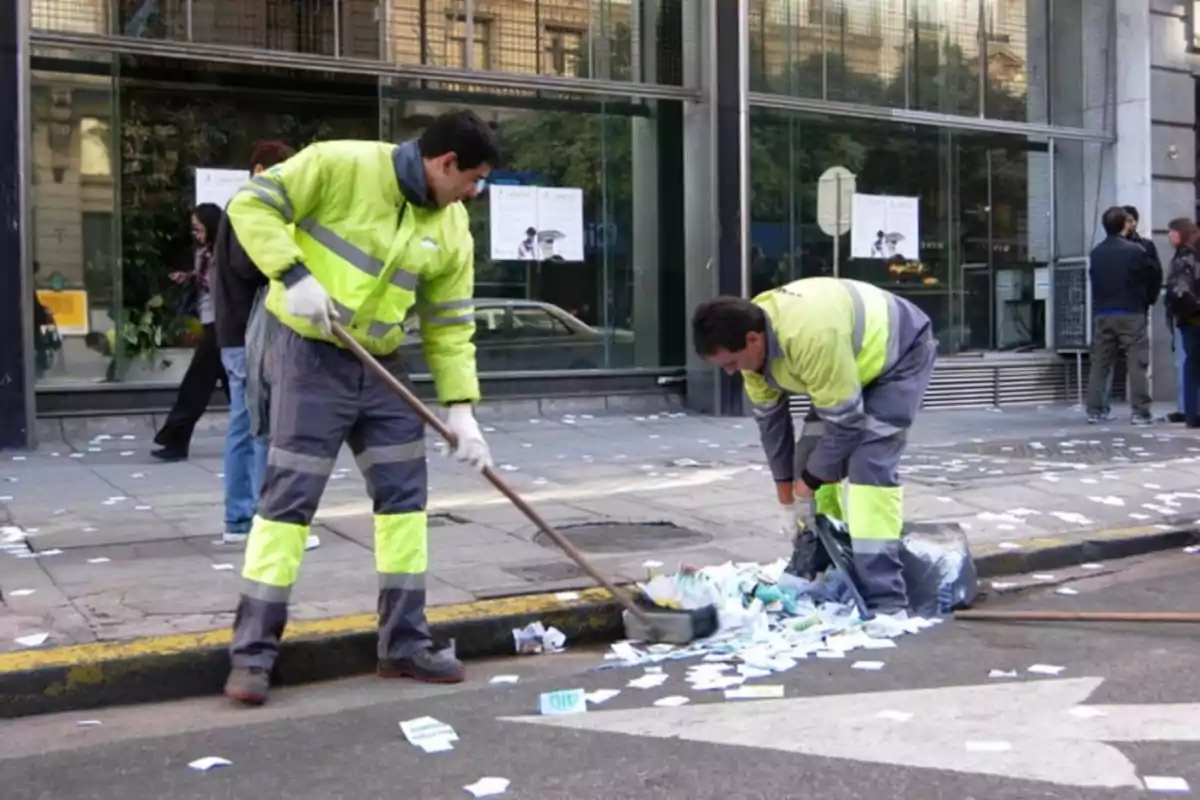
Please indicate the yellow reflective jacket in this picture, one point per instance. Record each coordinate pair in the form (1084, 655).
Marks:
(827, 338)
(355, 215)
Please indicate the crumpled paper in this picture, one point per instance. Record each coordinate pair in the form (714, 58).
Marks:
(536, 638)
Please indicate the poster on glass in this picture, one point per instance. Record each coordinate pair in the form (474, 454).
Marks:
(885, 226)
(536, 223)
(219, 185)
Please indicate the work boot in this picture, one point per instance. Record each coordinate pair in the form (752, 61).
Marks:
(1176, 417)
(170, 454)
(429, 666)
(248, 685)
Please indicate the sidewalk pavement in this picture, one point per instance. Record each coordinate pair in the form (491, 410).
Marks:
(122, 547)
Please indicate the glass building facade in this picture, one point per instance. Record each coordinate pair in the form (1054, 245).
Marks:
(697, 130)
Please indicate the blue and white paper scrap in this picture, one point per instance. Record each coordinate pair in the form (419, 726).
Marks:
(563, 701)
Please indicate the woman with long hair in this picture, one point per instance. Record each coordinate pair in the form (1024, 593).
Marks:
(205, 371)
(1182, 301)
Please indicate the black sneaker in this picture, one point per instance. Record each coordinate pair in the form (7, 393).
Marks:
(1176, 417)
(248, 685)
(170, 454)
(429, 666)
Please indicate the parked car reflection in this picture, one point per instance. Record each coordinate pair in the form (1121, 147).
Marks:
(516, 335)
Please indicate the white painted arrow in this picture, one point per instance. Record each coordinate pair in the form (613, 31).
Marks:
(1048, 742)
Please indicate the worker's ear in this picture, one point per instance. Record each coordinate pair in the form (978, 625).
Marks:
(754, 339)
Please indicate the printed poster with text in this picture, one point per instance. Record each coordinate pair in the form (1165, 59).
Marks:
(536, 223)
(885, 226)
(219, 185)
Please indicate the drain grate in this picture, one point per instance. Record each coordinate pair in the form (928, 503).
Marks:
(552, 571)
(626, 537)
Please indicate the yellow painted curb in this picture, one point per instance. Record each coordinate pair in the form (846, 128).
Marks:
(94, 655)
(1080, 537)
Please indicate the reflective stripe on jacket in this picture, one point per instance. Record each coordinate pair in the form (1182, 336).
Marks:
(827, 338)
(337, 210)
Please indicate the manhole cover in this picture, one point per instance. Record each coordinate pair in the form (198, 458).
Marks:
(554, 571)
(626, 537)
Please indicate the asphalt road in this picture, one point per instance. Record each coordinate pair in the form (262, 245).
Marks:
(341, 740)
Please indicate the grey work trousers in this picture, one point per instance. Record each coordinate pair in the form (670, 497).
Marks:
(1114, 335)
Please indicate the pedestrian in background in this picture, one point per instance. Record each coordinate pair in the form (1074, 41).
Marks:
(1124, 287)
(1182, 302)
(205, 371)
(236, 283)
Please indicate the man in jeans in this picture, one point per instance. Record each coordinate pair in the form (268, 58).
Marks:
(1124, 286)
(235, 285)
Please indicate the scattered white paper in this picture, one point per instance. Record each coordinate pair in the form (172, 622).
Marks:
(1042, 576)
(651, 681)
(754, 692)
(33, 639)
(1192, 549)
(652, 564)
(222, 567)
(625, 651)
(601, 696)
(562, 702)
(1002, 585)
(989, 747)
(999, 673)
(312, 542)
(895, 716)
(21, 592)
(429, 734)
(1009, 546)
(142, 508)
(1091, 566)
(672, 701)
(208, 762)
(1045, 669)
(100, 560)
(1159, 783)
(505, 679)
(1067, 591)
(567, 596)
(1071, 517)
(830, 654)
(870, 666)
(487, 787)
(1086, 712)
(88, 723)
(52, 552)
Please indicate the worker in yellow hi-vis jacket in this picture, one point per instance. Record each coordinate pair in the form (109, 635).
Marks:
(360, 232)
(864, 357)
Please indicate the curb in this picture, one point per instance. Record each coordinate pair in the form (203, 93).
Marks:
(162, 668)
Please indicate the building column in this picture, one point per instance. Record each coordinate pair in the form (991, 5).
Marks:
(1171, 164)
(645, 257)
(715, 185)
(16, 312)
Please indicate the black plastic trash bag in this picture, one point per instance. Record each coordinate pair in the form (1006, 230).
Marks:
(939, 572)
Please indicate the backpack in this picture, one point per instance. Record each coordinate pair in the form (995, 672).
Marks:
(1182, 300)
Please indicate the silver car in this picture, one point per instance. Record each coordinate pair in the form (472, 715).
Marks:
(523, 335)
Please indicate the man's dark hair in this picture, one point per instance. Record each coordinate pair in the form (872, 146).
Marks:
(268, 154)
(1114, 221)
(463, 133)
(1133, 212)
(723, 322)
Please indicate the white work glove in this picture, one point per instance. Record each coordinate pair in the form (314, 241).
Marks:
(307, 299)
(789, 520)
(471, 446)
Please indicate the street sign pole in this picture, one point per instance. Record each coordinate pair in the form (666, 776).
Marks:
(833, 208)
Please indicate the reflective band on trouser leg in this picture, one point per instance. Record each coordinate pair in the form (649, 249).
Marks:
(401, 558)
(874, 519)
(828, 501)
(273, 555)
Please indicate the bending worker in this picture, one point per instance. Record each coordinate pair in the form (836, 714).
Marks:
(359, 232)
(864, 357)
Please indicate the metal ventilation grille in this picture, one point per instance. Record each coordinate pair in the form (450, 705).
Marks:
(997, 382)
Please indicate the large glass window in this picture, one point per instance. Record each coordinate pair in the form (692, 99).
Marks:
(982, 220)
(571, 290)
(1001, 59)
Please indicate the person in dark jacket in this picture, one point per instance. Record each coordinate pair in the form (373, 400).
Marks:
(235, 289)
(204, 372)
(1183, 308)
(1124, 287)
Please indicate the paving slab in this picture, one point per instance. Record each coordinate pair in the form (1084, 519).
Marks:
(151, 564)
